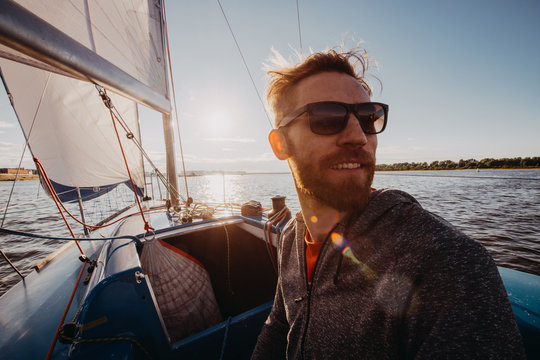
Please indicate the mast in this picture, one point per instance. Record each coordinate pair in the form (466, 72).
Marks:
(168, 128)
(172, 179)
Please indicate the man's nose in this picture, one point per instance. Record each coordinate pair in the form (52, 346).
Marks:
(352, 135)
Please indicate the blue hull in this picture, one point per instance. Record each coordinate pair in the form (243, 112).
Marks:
(524, 293)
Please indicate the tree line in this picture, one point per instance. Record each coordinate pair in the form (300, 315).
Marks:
(488, 163)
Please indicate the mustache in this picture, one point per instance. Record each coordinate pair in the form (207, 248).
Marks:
(347, 155)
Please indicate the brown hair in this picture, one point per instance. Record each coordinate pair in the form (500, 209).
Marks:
(282, 81)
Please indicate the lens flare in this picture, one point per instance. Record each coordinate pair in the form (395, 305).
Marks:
(364, 268)
(343, 245)
(338, 240)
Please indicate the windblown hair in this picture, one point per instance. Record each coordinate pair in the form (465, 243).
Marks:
(282, 81)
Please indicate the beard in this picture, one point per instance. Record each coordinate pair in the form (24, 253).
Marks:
(350, 194)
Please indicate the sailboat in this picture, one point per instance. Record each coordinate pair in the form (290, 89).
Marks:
(169, 279)
(159, 279)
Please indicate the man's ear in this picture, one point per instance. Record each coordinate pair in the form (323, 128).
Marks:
(278, 144)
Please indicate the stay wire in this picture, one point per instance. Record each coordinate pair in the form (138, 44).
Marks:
(27, 138)
(245, 63)
(122, 122)
(135, 141)
(26, 145)
(36, 236)
(299, 31)
(107, 103)
(4, 255)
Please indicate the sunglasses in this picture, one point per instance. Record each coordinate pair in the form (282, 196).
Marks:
(331, 117)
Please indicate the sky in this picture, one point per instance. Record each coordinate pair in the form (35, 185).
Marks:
(462, 78)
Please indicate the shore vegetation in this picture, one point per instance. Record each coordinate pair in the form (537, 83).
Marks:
(488, 163)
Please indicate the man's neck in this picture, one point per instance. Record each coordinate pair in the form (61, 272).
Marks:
(319, 218)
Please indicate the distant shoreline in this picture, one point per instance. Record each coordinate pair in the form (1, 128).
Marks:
(11, 177)
(27, 177)
(478, 169)
(377, 170)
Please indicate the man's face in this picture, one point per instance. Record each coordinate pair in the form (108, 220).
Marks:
(336, 170)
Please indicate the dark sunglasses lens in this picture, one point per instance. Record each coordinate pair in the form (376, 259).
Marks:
(327, 119)
(371, 117)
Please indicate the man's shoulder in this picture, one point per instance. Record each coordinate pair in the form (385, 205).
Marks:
(403, 210)
(384, 205)
(399, 221)
(382, 200)
(393, 195)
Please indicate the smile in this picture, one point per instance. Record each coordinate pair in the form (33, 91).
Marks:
(346, 166)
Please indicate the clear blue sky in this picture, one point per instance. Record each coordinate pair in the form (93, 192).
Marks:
(462, 78)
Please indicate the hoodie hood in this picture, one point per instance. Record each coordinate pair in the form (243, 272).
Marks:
(380, 201)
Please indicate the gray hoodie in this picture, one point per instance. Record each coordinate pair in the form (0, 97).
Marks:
(395, 282)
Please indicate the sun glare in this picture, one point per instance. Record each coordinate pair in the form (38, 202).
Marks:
(215, 187)
(217, 122)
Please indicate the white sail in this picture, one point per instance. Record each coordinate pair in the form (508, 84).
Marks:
(128, 34)
(70, 130)
(67, 126)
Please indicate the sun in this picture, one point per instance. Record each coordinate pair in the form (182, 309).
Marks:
(217, 123)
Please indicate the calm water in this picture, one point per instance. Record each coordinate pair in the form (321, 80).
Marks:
(499, 208)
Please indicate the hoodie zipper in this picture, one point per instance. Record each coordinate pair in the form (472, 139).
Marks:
(308, 310)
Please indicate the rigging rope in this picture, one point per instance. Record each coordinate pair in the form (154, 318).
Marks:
(53, 344)
(189, 200)
(59, 204)
(56, 199)
(245, 64)
(108, 104)
(129, 134)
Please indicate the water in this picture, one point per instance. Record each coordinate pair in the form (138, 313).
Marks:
(499, 208)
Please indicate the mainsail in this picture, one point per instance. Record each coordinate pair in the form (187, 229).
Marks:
(64, 120)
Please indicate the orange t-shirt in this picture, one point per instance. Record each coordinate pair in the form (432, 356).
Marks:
(313, 249)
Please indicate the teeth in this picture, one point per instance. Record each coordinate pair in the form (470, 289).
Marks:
(346, 166)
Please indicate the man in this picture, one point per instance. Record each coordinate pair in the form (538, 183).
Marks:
(365, 273)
